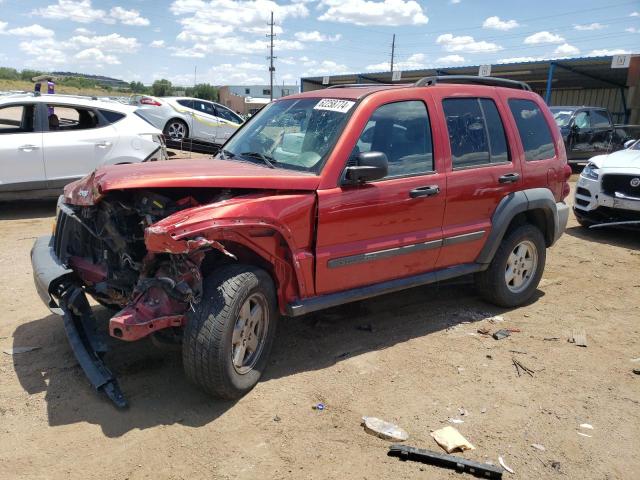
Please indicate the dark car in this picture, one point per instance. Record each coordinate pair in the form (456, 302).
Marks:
(373, 189)
(586, 131)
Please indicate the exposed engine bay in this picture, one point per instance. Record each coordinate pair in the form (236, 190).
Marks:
(104, 245)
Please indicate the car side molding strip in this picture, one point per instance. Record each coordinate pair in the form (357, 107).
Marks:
(414, 247)
(321, 302)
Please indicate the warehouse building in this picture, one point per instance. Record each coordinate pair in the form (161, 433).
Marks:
(612, 82)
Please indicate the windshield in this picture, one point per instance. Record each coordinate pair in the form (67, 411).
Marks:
(562, 116)
(292, 134)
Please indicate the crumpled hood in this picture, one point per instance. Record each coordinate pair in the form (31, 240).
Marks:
(627, 159)
(207, 173)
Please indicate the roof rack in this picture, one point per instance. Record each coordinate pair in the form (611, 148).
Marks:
(474, 80)
(364, 85)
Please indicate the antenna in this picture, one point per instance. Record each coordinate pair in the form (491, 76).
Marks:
(271, 58)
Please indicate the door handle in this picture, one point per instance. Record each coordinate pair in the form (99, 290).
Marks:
(103, 144)
(428, 191)
(509, 178)
(28, 148)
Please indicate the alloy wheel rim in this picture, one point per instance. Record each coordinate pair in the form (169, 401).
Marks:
(177, 131)
(249, 333)
(521, 266)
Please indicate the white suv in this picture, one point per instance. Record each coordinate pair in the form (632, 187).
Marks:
(48, 141)
(608, 190)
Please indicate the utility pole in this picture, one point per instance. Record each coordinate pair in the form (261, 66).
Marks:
(393, 52)
(271, 58)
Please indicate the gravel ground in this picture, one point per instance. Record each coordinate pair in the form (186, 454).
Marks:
(421, 361)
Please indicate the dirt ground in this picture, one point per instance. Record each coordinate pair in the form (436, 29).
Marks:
(420, 363)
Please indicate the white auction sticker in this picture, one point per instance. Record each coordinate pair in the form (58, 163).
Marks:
(334, 105)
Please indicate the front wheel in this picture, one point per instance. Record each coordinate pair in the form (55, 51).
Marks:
(516, 268)
(228, 338)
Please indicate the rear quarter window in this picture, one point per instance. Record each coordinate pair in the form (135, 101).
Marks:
(534, 131)
(112, 117)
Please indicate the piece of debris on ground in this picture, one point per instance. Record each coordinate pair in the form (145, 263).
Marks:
(385, 430)
(579, 337)
(451, 440)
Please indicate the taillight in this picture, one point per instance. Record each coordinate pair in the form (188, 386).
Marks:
(566, 188)
(149, 101)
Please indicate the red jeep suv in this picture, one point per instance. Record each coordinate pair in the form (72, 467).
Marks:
(322, 198)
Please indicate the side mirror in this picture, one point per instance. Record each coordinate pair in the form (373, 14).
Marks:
(628, 143)
(369, 166)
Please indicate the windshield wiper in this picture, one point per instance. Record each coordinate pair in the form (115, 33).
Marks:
(224, 154)
(268, 160)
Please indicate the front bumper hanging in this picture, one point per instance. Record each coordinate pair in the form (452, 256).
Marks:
(58, 291)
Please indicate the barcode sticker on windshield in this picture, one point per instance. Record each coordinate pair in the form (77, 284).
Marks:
(334, 105)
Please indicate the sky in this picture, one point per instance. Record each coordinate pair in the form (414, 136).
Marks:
(225, 42)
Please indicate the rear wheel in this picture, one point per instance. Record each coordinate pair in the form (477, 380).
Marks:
(176, 129)
(228, 338)
(516, 268)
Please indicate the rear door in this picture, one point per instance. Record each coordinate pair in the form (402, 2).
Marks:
(390, 228)
(74, 142)
(229, 122)
(21, 160)
(204, 125)
(482, 170)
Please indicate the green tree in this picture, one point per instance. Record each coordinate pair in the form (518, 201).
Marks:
(203, 91)
(138, 87)
(29, 74)
(9, 73)
(161, 88)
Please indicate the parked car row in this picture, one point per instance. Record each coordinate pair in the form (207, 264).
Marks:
(47, 141)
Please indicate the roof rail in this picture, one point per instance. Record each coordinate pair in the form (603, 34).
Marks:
(474, 80)
(364, 85)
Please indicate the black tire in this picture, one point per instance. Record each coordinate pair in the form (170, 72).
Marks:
(492, 283)
(167, 129)
(207, 348)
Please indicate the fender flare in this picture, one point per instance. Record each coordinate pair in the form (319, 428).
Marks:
(513, 204)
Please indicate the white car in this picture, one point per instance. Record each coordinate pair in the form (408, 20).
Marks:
(48, 141)
(608, 190)
(182, 118)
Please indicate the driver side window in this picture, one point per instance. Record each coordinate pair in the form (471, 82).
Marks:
(402, 131)
(582, 120)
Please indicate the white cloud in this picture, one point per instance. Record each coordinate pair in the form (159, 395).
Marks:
(316, 36)
(243, 73)
(77, 11)
(3, 25)
(543, 37)
(520, 59)
(96, 56)
(634, 14)
(497, 24)
(605, 52)
(43, 53)
(466, 44)
(157, 44)
(632, 30)
(113, 42)
(455, 2)
(566, 50)
(129, 17)
(83, 31)
(413, 62)
(366, 12)
(450, 60)
(590, 26)
(325, 67)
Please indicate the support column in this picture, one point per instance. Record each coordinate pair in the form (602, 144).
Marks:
(547, 95)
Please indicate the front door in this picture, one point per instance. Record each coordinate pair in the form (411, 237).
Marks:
(581, 136)
(21, 161)
(390, 228)
(205, 124)
(229, 122)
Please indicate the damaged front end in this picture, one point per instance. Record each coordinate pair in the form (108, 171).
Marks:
(99, 249)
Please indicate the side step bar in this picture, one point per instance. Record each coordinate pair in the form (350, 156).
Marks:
(321, 302)
(87, 344)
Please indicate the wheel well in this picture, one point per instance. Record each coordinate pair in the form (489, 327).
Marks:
(214, 259)
(539, 218)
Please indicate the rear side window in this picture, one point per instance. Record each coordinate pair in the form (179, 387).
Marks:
(533, 129)
(227, 114)
(65, 118)
(476, 133)
(112, 117)
(402, 131)
(600, 119)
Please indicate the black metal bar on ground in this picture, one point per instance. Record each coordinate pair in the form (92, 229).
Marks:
(459, 464)
(87, 345)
